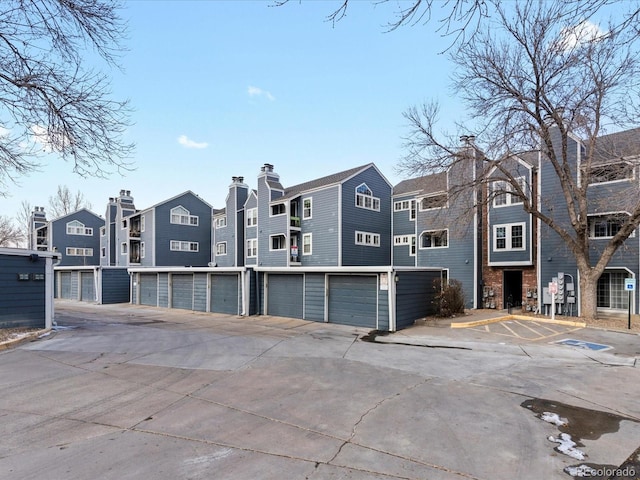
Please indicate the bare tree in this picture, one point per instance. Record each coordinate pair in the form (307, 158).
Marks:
(65, 202)
(23, 218)
(51, 100)
(10, 234)
(540, 76)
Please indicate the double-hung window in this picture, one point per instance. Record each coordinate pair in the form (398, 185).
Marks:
(509, 237)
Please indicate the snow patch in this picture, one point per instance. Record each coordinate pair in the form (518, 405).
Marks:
(567, 446)
(554, 418)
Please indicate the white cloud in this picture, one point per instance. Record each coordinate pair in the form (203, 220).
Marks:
(581, 33)
(186, 142)
(50, 141)
(258, 92)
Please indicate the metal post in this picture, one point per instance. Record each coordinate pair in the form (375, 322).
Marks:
(629, 322)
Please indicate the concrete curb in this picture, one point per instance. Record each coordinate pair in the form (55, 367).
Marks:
(516, 317)
(30, 337)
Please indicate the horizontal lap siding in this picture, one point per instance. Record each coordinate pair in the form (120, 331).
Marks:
(414, 296)
(163, 290)
(314, 290)
(22, 303)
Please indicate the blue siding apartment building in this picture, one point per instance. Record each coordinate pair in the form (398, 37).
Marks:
(351, 248)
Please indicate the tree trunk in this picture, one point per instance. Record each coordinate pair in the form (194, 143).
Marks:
(588, 296)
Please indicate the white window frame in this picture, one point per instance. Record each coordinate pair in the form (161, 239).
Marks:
(310, 208)
(103, 252)
(367, 239)
(439, 194)
(284, 212)
(399, 240)
(181, 216)
(432, 247)
(506, 198)
(142, 222)
(76, 227)
(221, 249)
(124, 248)
(284, 242)
(221, 222)
(304, 245)
(413, 246)
(252, 217)
(103, 231)
(142, 249)
(183, 246)
(592, 219)
(362, 198)
(508, 238)
(79, 252)
(252, 248)
(604, 165)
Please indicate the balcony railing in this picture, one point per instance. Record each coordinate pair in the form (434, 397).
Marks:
(295, 222)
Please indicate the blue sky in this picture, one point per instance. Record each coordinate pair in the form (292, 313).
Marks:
(221, 87)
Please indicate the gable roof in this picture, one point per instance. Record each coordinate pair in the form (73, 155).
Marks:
(335, 178)
(75, 212)
(617, 146)
(435, 182)
(173, 198)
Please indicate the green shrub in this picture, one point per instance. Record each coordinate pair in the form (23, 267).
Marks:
(448, 299)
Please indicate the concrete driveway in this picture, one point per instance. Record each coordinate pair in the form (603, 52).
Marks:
(124, 392)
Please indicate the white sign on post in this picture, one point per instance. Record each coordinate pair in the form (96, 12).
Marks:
(629, 284)
(553, 288)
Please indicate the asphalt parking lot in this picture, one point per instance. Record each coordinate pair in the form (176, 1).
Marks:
(135, 392)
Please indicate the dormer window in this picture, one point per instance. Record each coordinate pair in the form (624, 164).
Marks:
(611, 172)
(365, 198)
(182, 216)
(77, 228)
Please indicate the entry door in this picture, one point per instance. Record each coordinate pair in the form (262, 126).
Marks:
(512, 288)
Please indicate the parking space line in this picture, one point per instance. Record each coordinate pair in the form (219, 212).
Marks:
(558, 333)
(542, 325)
(529, 328)
(508, 328)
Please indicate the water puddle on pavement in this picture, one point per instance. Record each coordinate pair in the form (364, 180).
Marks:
(576, 424)
(372, 337)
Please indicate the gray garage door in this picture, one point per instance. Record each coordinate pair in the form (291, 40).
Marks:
(182, 291)
(353, 300)
(65, 285)
(224, 294)
(87, 287)
(148, 286)
(285, 295)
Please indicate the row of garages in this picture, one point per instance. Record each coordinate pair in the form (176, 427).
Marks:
(377, 298)
(92, 284)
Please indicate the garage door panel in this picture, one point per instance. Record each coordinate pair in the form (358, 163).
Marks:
(224, 294)
(285, 295)
(65, 285)
(182, 291)
(353, 300)
(148, 286)
(87, 287)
